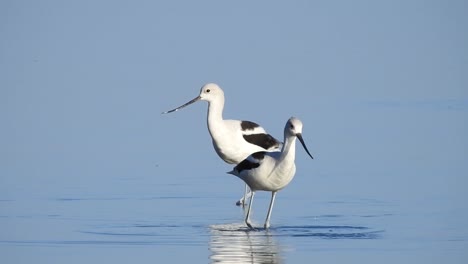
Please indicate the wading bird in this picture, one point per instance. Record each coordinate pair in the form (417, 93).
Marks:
(271, 171)
(233, 140)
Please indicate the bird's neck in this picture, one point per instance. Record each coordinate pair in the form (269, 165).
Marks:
(285, 166)
(288, 152)
(215, 114)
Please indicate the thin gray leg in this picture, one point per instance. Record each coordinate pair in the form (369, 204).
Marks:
(247, 217)
(267, 221)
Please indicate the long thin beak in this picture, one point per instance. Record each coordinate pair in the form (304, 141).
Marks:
(184, 105)
(299, 136)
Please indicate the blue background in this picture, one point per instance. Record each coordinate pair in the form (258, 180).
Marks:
(381, 86)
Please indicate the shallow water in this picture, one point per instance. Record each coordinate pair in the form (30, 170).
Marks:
(387, 185)
(118, 226)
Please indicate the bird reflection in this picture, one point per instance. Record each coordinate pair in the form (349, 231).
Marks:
(235, 243)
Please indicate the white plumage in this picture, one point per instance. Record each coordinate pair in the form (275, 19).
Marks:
(233, 140)
(263, 171)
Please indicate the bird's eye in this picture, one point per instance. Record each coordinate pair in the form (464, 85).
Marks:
(291, 126)
(207, 90)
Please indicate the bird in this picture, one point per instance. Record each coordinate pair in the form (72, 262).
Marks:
(233, 140)
(271, 171)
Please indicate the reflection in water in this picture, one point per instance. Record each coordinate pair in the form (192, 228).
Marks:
(235, 243)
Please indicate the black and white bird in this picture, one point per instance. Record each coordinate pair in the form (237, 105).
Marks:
(271, 171)
(233, 140)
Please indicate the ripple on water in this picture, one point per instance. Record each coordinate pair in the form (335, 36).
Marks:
(153, 234)
(236, 243)
(329, 231)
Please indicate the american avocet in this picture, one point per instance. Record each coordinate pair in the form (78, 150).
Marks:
(233, 140)
(272, 171)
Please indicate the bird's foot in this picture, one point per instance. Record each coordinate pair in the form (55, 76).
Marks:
(243, 201)
(249, 225)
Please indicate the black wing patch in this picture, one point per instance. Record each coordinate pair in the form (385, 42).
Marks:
(249, 164)
(247, 125)
(259, 155)
(265, 141)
